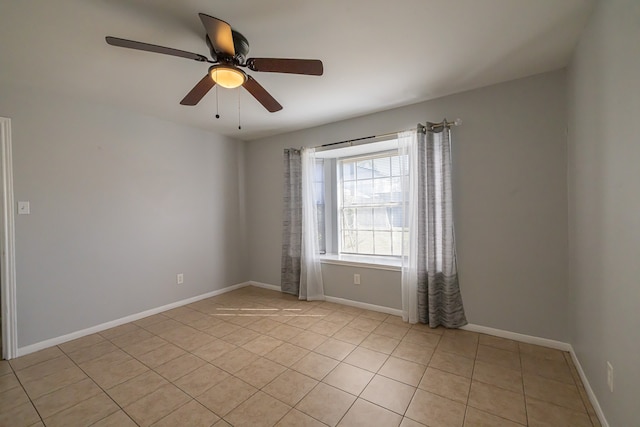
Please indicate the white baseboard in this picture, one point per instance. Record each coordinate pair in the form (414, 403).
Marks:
(113, 323)
(264, 286)
(529, 339)
(364, 305)
(587, 387)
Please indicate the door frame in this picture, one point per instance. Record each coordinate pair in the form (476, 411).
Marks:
(7, 245)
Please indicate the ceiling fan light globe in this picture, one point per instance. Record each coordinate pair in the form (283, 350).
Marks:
(228, 77)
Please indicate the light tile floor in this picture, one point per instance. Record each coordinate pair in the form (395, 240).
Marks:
(255, 357)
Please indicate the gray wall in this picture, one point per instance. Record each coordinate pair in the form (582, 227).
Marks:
(120, 203)
(604, 206)
(510, 202)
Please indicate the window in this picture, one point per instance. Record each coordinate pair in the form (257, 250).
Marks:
(363, 200)
(318, 182)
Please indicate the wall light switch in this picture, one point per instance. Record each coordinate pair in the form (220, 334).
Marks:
(24, 208)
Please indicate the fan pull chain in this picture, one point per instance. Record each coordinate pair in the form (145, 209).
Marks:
(217, 112)
(239, 127)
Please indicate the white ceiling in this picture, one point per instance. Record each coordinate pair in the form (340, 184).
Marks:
(377, 54)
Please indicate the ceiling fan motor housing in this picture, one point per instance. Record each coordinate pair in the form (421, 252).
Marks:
(241, 46)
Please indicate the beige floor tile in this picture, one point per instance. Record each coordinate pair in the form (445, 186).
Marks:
(84, 413)
(202, 379)
(301, 321)
(553, 392)
(324, 327)
(295, 418)
(413, 352)
(557, 370)
(435, 411)
(93, 352)
(548, 415)
(445, 384)
(307, 339)
(117, 419)
(115, 373)
(132, 337)
(392, 331)
(290, 387)
(259, 410)
(315, 365)
(43, 369)
(265, 325)
(136, 388)
(497, 342)
(380, 343)
(36, 358)
(245, 319)
(339, 318)
(477, 418)
(459, 345)
(192, 341)
(157, 404)
(376, 315)
(408, 422)
(214, 350)
(366, 414)
(5, 367)
(193, 414)
(144, 346)
(235, 360)
(66, 397)
(452, 363)
(335, 349)
(348, 378)
(163, 326)
(119, 330)
(262, 345)
(351, 335)
(53, 382)
(284, 332)
(364, 324)
(241, 336)
(389, 394)
(18, 416)
(498, 401)
(13, 397)
(495, 356)
(222, 329)
(326, 404)
(541, 352)
(366, 359)
(8, 381)
(417, 336)
(287, 354)
(161, 355)
(488, 373)
(150, 320)
(179, 366)
(225, 396)
(77, 344)
(460, 333)
(403, 370)
(260, 372)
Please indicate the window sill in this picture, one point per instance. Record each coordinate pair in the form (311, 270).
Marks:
(363, 261)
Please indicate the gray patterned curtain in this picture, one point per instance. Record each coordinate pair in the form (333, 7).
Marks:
(439, 299)
(292, 224)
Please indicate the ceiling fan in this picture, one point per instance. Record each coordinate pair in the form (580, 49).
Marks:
(229, 51)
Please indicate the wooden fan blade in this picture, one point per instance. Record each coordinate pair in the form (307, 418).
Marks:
(260, 93)
(114, 41)
(311, 67)
(199, 91)
(219, 33)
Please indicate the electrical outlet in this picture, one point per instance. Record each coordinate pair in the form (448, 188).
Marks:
(180, 278)
(610, 376)
(356, 279)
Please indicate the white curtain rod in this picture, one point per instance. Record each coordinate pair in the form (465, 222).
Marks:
(365, 139)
